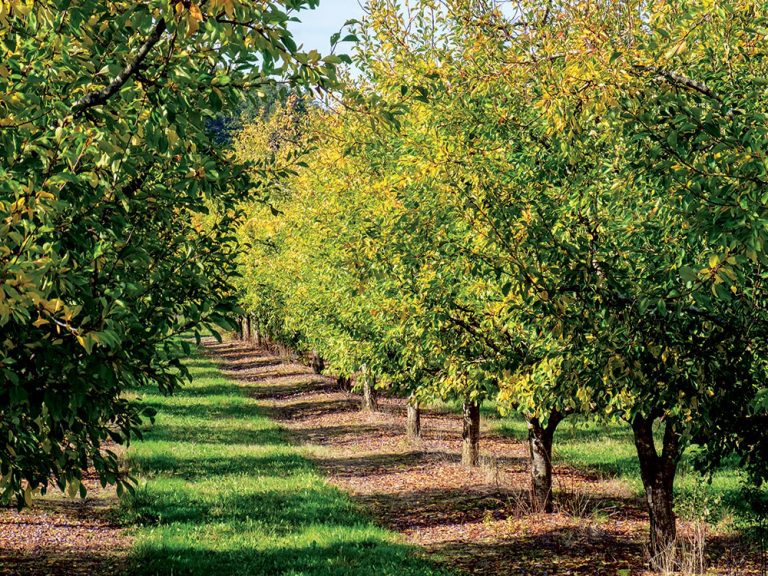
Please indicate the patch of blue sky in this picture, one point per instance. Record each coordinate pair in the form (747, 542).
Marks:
(317, 26)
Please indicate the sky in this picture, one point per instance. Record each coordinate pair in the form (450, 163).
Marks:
(316, 26)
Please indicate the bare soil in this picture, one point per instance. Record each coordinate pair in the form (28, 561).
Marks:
(61, 536)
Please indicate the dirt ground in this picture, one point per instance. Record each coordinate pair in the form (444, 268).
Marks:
(60, 536)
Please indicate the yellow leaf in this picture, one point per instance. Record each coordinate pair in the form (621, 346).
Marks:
(192, 24)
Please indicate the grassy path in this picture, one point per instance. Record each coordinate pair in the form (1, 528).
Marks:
(224, 493)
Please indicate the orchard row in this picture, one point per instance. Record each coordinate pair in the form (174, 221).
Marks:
(561, 206)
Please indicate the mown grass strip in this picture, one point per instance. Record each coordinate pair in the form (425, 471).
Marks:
(223, 493)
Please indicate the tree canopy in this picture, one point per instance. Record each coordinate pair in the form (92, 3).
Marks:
(108, 169)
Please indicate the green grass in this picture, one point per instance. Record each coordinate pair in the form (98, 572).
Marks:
(222, 492)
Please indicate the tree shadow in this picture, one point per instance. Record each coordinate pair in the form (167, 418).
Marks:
(288, 521)
(204, 390)
(343, 434)
(360, 557)
(596, 471)
(217, 435)
(434, 508)
(286, 379)
(235, 361)
(278, 512)
(289, 389)
(586, 550)
(259, 375)
(169, 464)
(305, 410)
(206, 410)
(365, 466)
(61, 562)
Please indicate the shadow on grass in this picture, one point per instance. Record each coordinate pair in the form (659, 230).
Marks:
(363, 558)
(216, 435)
(201, 467)
(597, 470)
(204, 375)
(213, 411)
(567, 433)
(277, 512)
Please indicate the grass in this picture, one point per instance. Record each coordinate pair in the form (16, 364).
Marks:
(223, 492)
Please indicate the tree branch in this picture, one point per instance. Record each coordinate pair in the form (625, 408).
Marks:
(680, 80)
(98, 97)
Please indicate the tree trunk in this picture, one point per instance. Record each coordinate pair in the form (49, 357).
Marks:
(247, 327)
(470, 450)
(413, 426)
(239, 327)
(344, 383)
(540, 447)
(318, 364)
(658, 474)
(370, 403)
(257, 336)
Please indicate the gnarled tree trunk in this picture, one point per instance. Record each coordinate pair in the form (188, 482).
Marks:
(470, 449)
(413, 426)
(658, 475)
(540, 447)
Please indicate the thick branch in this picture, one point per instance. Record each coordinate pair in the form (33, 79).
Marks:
(98, 97)
(684, 81)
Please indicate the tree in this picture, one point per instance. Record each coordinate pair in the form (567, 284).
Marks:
(646, 260)
(592, 184)
(108, 169)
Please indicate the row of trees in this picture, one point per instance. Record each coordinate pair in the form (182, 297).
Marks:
(559, 205)
(107, 169)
